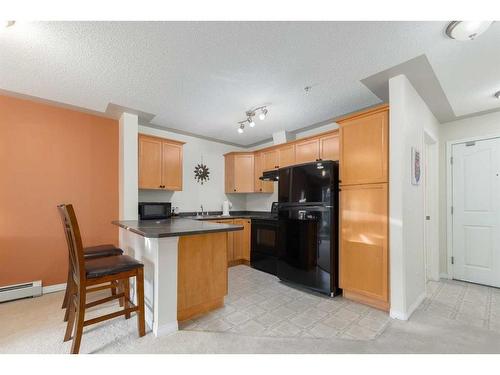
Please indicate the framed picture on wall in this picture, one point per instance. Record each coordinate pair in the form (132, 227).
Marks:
(416, 169)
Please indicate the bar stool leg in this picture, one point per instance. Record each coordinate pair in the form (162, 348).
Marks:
(71, 318)
(79, 320)
(126, 291)
(140, 302)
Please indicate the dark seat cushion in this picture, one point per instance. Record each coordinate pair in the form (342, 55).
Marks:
(99, 267)
(101, 251)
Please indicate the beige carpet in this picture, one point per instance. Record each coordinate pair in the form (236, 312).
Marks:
(447, 322)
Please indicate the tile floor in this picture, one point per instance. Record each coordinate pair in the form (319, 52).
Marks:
(264, 316)
(471, 304)
(258, 304)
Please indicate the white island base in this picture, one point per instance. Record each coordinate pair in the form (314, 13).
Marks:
(160, 257)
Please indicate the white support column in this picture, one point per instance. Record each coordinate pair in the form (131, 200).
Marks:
(128, 167)
(159, 256)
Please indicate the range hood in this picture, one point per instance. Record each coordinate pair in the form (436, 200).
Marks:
(269, 176)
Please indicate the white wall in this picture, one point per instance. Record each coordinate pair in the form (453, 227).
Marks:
(262, 202)
(409, 118)
(211, 193)
(485, 125)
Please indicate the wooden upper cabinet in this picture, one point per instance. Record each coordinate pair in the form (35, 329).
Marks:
(286, 155)
(239, 173)
(150, 163)
(259, 185)
(364, 243)
(364, 148)
(160, 163)
(329, 147)
(172, 165)
(270, 160)
(307, 151)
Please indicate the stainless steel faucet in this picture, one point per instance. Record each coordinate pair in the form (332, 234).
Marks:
(201, 210)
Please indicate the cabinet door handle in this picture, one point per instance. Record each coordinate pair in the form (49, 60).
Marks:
(234, 189)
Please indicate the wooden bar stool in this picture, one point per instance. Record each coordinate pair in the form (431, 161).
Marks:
(90, 273)
(90, 253)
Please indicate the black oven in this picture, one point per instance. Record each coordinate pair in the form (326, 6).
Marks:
(263, 255)
(155, 210)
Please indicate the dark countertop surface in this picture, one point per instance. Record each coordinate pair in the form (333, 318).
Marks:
(233, 215)
(174, 227)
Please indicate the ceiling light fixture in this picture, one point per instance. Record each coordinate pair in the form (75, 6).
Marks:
(250, 114)
(467, 30)
(263, 113)
(9, 23)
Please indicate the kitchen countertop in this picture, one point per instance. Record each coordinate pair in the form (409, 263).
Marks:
(235, 215)
(174, 227)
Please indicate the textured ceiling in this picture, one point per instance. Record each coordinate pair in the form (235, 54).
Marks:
(200, 77)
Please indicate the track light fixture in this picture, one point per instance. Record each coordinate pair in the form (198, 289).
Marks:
(250, 114)
(263, 113)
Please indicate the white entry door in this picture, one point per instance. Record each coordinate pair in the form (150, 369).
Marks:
(476, 211)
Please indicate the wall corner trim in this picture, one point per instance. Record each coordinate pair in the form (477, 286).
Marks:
(401, 315)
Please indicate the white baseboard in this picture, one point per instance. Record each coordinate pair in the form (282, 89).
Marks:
(405, 315)
(166, 329)
(445, 276)
(398, 315)
(53, 288)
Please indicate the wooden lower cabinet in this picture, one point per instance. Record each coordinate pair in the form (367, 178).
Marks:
(364, 274)
(201, 274)
(242, 240)
(238, 242)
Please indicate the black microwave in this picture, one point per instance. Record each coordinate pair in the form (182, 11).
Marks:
(155, 210)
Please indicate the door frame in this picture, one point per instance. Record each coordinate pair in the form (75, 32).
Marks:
(449, 196)
(431, 207)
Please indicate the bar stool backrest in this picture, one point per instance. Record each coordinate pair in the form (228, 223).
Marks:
(74, 242)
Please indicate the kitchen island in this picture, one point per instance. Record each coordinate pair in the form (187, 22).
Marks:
(185, 267)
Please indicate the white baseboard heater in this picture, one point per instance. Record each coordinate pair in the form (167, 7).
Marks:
(17, 291)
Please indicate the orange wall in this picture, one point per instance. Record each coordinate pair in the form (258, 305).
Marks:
(50, 155)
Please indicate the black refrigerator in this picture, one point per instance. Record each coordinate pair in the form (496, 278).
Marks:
(308, 230)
